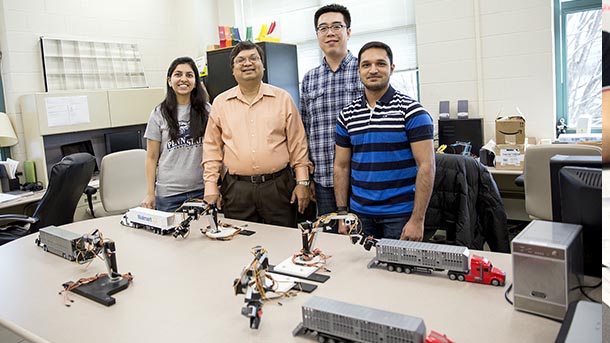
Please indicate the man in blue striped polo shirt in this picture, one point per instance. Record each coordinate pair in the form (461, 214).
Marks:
(384, 140)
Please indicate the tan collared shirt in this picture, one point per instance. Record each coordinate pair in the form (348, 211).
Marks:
(253, 139)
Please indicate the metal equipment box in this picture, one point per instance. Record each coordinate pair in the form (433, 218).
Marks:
(547, 267)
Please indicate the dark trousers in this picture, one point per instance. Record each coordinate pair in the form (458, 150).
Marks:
(267, 202)
(380, 227)
(171, 203)
(325, 199)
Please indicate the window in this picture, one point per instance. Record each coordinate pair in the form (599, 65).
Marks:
(578, 25)
(295, 23)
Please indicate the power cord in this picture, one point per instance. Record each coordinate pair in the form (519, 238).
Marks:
(582, 287)
(32, 186)
(507, 292)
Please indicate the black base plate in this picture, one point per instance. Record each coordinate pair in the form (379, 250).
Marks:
(101, 289)
(304, 287)
(313, 277)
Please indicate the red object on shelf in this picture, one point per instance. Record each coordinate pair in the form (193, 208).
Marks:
(221, 36)
(271, 28)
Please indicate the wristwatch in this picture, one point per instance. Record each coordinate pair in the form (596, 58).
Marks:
(303, 183)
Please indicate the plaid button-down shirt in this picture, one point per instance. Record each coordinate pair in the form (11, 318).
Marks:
(324, 93)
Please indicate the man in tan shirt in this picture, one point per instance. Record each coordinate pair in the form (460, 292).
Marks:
(255, 132)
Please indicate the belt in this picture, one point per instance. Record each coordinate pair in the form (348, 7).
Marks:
(256, 179)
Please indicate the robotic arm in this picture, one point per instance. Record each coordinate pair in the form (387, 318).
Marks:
(96, 243)
(310, 229)
(193, 212)
(100, 287)
(252, 284)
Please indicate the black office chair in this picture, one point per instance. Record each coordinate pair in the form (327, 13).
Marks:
(67, 181)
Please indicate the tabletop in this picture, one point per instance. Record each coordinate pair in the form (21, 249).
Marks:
(182, 291)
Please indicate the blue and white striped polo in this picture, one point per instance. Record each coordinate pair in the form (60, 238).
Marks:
(383, 169)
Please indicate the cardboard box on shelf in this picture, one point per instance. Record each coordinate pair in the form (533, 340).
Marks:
(510, 142)
(510, 130)
(510, 156)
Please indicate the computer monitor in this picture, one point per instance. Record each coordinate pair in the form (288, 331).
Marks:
(119, 141)
(581, 203)
(461, 130)
(83, 146)
(559, 161)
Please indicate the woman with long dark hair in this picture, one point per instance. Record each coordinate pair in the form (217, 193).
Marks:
(174, 137)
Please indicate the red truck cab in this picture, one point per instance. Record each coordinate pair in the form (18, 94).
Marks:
(435, 337)
(482, 271)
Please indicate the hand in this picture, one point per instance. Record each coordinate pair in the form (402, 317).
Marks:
(301, 195)
(148, 202)
(214, 199)
(343, 228)
(412, 231)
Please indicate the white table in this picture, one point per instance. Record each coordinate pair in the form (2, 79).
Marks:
(182, 292)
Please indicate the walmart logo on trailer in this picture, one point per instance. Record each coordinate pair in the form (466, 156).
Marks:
(146, 219)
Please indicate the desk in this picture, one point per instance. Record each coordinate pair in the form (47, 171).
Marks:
(182, 291)
(19, 203)
(513, 196)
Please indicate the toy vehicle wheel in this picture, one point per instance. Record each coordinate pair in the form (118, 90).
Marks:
(408, 270)
(495, 282)
(399, 269)
(452, 276)
(45, 248)
(321, 339)
(461, 277)
(391, 267)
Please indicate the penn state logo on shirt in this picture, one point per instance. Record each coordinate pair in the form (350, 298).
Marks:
(184, 138)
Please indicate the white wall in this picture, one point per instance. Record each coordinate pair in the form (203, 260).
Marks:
(163, 29)
(496, 54)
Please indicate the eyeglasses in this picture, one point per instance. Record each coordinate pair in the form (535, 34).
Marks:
(334, 28)
(242, 60)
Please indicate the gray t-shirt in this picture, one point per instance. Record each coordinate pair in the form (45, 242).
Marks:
(179, 169)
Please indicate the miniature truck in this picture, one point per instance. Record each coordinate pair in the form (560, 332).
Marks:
(336, 321)
(407, 256)
(64, 243)
(162, 223)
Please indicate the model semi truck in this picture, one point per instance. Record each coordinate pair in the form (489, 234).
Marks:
(337, 321)
(67, 244)
(408, 256)
(159, 222)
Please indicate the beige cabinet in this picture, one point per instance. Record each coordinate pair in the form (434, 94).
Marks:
(133, 106)
(48, 116)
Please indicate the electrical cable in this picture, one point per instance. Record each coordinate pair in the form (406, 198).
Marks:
(507, 292)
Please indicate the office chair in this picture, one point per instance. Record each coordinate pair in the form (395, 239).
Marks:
(122, 183)
(67, 181)
(537, 175)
